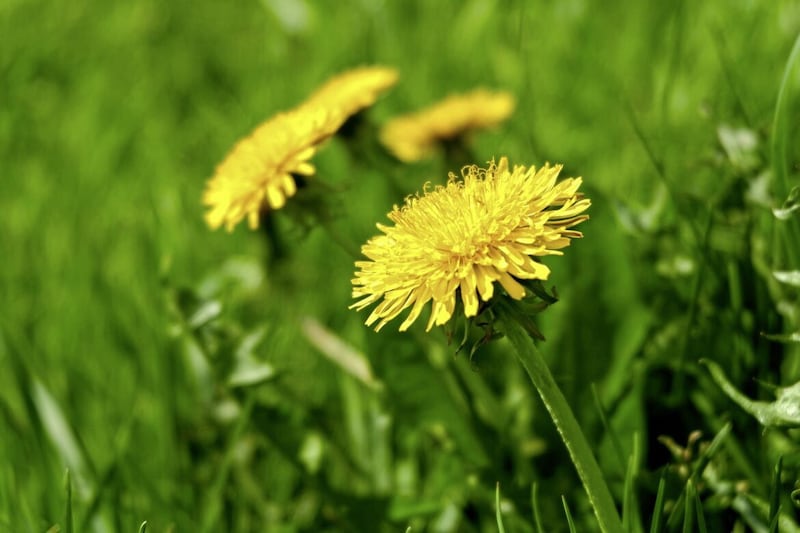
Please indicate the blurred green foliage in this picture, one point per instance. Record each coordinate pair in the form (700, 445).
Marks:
(183, 383)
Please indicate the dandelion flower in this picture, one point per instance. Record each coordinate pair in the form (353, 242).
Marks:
(415, 136)
(459, 239)
(259, 173)
(354, 90)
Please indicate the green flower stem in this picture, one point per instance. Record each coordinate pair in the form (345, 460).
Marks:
(345, 243)
(579, 450)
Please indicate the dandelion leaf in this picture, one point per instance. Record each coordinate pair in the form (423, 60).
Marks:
(783, 412)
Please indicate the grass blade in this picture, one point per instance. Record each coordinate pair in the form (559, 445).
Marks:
(780, 125)
(631, 520)
(570, 521)
(658, 507)
(68, 523)
(688, 503)
(215, 496)
(62, 436)
(701, 519)
(780, 134)
(775, 497)
(705, 457)
(537, 514)
(612, 435)
(498, 514)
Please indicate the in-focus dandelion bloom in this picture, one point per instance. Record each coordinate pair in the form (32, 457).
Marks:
(258, 174)
(415, 136)
(354, 90)
(460, 238)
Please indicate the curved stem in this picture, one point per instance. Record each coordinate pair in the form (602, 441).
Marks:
(343, 242)
(579, 450)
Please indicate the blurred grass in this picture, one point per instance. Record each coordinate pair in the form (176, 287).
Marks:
(113, 115)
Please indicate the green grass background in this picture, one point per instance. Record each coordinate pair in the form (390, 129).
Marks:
(113, 115)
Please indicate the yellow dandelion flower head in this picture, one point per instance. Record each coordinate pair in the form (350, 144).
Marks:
(258, 173)
(489, 226)
(354, 90)
(415, 136)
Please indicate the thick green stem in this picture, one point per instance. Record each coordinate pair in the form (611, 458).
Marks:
(579, 450)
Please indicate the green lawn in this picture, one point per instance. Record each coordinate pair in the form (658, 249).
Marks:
(177, 374)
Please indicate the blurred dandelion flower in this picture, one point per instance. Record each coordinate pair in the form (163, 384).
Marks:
(415, 136)
(353, 90)
(460, 238)
(259, 173)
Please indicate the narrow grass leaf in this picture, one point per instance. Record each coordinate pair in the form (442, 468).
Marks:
(401, 510)
(775, 497)
(340, 353)
(774, 526)
(68, 522)
(701, 519)
(705, 457)
(780, 123)
(631, 521)
(215, 494)
(537, 514)
(658, 506)
(633, 333)
(661, 172)
(676, 513)
(570, 521)
(61, 435)
(612, 435)
(103, 486)
(780, 337)
(786, 524)
(780, 140)
(498, 513)
(143, 527)
(688, 503)
(355, 421)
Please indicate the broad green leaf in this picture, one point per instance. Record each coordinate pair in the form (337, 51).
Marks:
(248, 370)
(783, 412)
(204, 314)
(740, 145)
(789, 277)
(791, 205)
